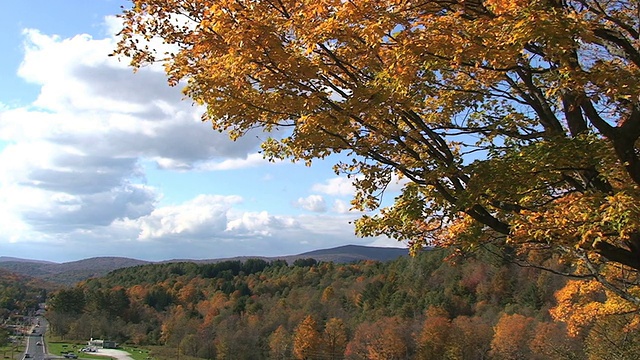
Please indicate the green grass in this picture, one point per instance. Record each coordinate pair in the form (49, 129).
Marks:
(57, 346)
(137, 353)
(63, 347)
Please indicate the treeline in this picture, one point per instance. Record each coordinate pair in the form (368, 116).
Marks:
(410, 308)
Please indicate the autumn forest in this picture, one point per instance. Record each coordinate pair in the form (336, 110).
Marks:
(432, 306)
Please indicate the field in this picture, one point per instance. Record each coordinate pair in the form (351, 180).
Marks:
(63, 347)
(10, 351)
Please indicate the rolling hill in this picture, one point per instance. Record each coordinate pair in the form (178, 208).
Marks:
(72, 272)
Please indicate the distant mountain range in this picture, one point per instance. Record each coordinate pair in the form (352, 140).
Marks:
(75, 271)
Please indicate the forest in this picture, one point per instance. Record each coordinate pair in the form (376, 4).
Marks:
(436, 305)
(19, 296)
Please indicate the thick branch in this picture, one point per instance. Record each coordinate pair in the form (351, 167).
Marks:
(620, 255)
(617, 39)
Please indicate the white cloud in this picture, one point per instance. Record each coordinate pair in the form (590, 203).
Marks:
(382, 241)
(313, 203)
(76, 152)
(213, 226)
(338, 186)
(259, 224)
(203, 216)
(341, 207)
(252, 160)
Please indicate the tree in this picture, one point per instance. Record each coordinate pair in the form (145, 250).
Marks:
(614, 337)
(335, 338)
(190, 345)
(472, 337)
(514, 123)
(68, 301)
(306, 340)
(4, 337)
(552, 341)
(382, 339)
(280, 344)
(511, 336)
(580, 304)
(435, 337)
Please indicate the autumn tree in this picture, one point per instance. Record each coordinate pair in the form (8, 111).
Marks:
(614, 337)
(280, 344)
(306, 340)
(511, 337)
(551, 341)
(610, 325)
(334, 338)
(472, 336)
(435, 336)
(514, 123)
(385, 339)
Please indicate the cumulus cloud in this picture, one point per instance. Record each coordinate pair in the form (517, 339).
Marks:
(341, 207)
(200, 217)
(214, 226)
(77, 149)
(313, 203)
(337, 186)
(260, 224)
(251, 160)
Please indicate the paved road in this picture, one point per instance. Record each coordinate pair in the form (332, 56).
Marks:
(35, 348)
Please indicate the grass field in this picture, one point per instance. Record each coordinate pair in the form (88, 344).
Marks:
(63, 347)
(7, 351)
(137, 353)
(17, 350)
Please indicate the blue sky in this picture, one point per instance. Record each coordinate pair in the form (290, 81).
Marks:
(98, 161)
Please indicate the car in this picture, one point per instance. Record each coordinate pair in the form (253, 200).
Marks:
(26, 356)
(71, 356)
(39, 343)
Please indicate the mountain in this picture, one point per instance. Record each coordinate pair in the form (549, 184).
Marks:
(72, 272)
(341, 254)
(69, 272)
(353, 253)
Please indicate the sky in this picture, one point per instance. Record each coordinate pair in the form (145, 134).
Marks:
(96, 160)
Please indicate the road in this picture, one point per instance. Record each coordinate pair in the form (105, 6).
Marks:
(35, 349)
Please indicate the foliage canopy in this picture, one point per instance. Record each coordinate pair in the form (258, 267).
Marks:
(514, 122)
(410, 308)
